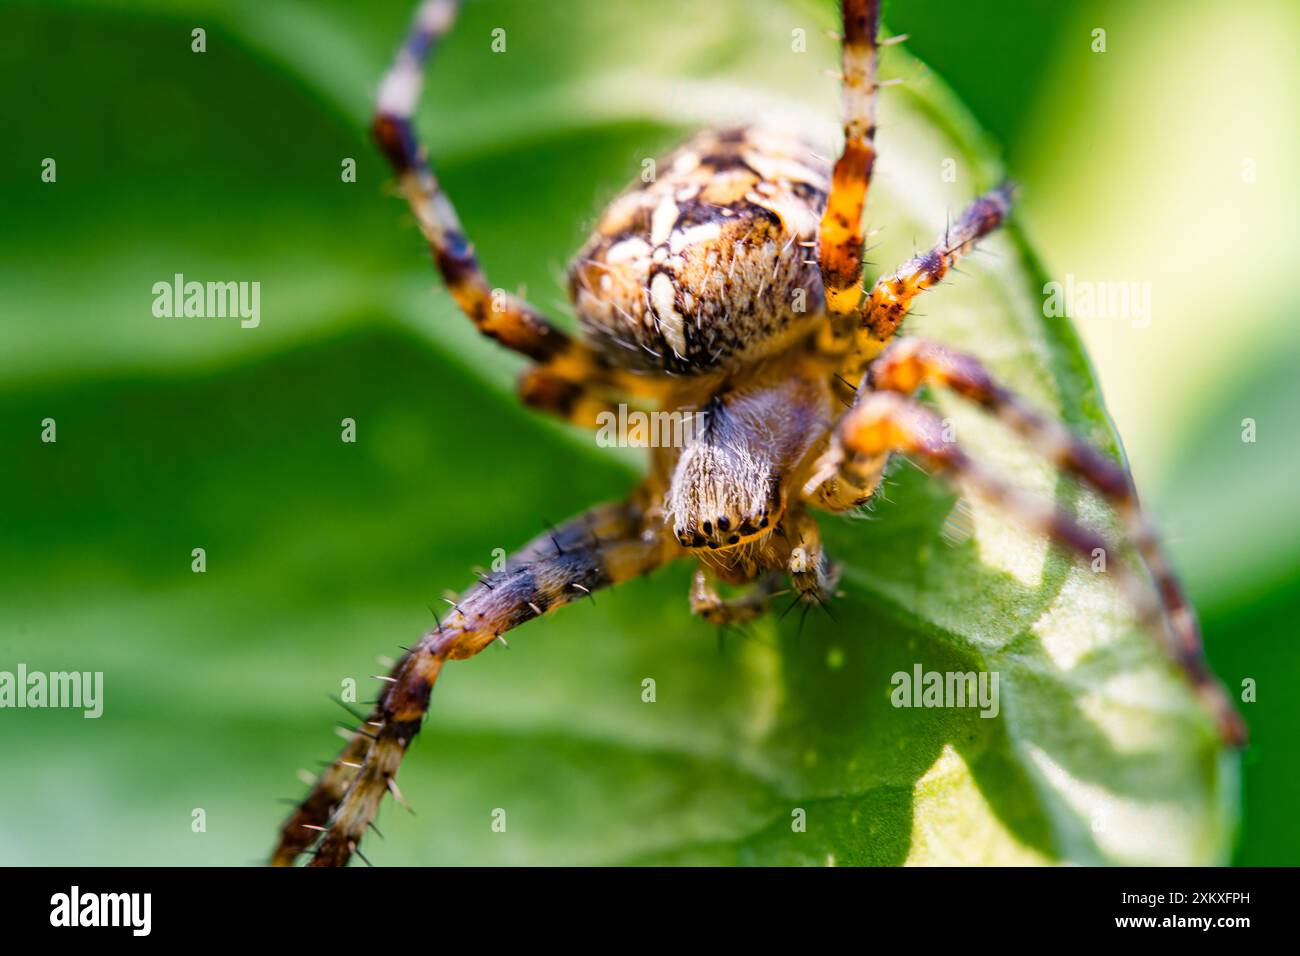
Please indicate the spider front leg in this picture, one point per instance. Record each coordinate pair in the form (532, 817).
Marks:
(496, 314)
(884, 422)
(840, 233)
(608, 544)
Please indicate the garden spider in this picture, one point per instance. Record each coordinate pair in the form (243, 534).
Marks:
(731, 284)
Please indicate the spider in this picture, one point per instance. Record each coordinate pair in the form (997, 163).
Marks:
(730, 284)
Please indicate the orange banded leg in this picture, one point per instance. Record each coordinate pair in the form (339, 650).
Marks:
(840, 233)
(599, 548)
(892, 295)
(885, 422)
(496, 314)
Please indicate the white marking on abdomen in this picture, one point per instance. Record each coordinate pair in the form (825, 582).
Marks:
(663, 294)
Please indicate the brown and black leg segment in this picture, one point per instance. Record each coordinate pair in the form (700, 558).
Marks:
(606, 545)
(840, 233)
(577, 404)
(495, 313)
(885, 422)
(892, 295)
(306, 824)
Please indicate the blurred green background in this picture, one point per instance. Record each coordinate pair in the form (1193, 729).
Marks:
(182, 434)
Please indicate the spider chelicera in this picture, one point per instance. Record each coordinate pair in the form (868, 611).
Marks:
(731, 285)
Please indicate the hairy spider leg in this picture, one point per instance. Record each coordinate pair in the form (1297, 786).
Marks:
(495, 313)
(840, 233)
(599, 548)
(883, 422)
(891, 296)
(908, 364)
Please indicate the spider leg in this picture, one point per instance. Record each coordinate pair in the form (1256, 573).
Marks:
(707, 603)
(542, 389)
(840, 233)
(601, 547)
(496, 314)
(812, 573)
(891, 296)
(828, 490)
(884, 422)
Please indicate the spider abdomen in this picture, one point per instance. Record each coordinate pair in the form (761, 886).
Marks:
(712, 262)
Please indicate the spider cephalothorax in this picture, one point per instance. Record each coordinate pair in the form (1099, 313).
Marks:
(706, 274)
(726, 286)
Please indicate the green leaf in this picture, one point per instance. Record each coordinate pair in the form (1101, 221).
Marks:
(177, 434)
